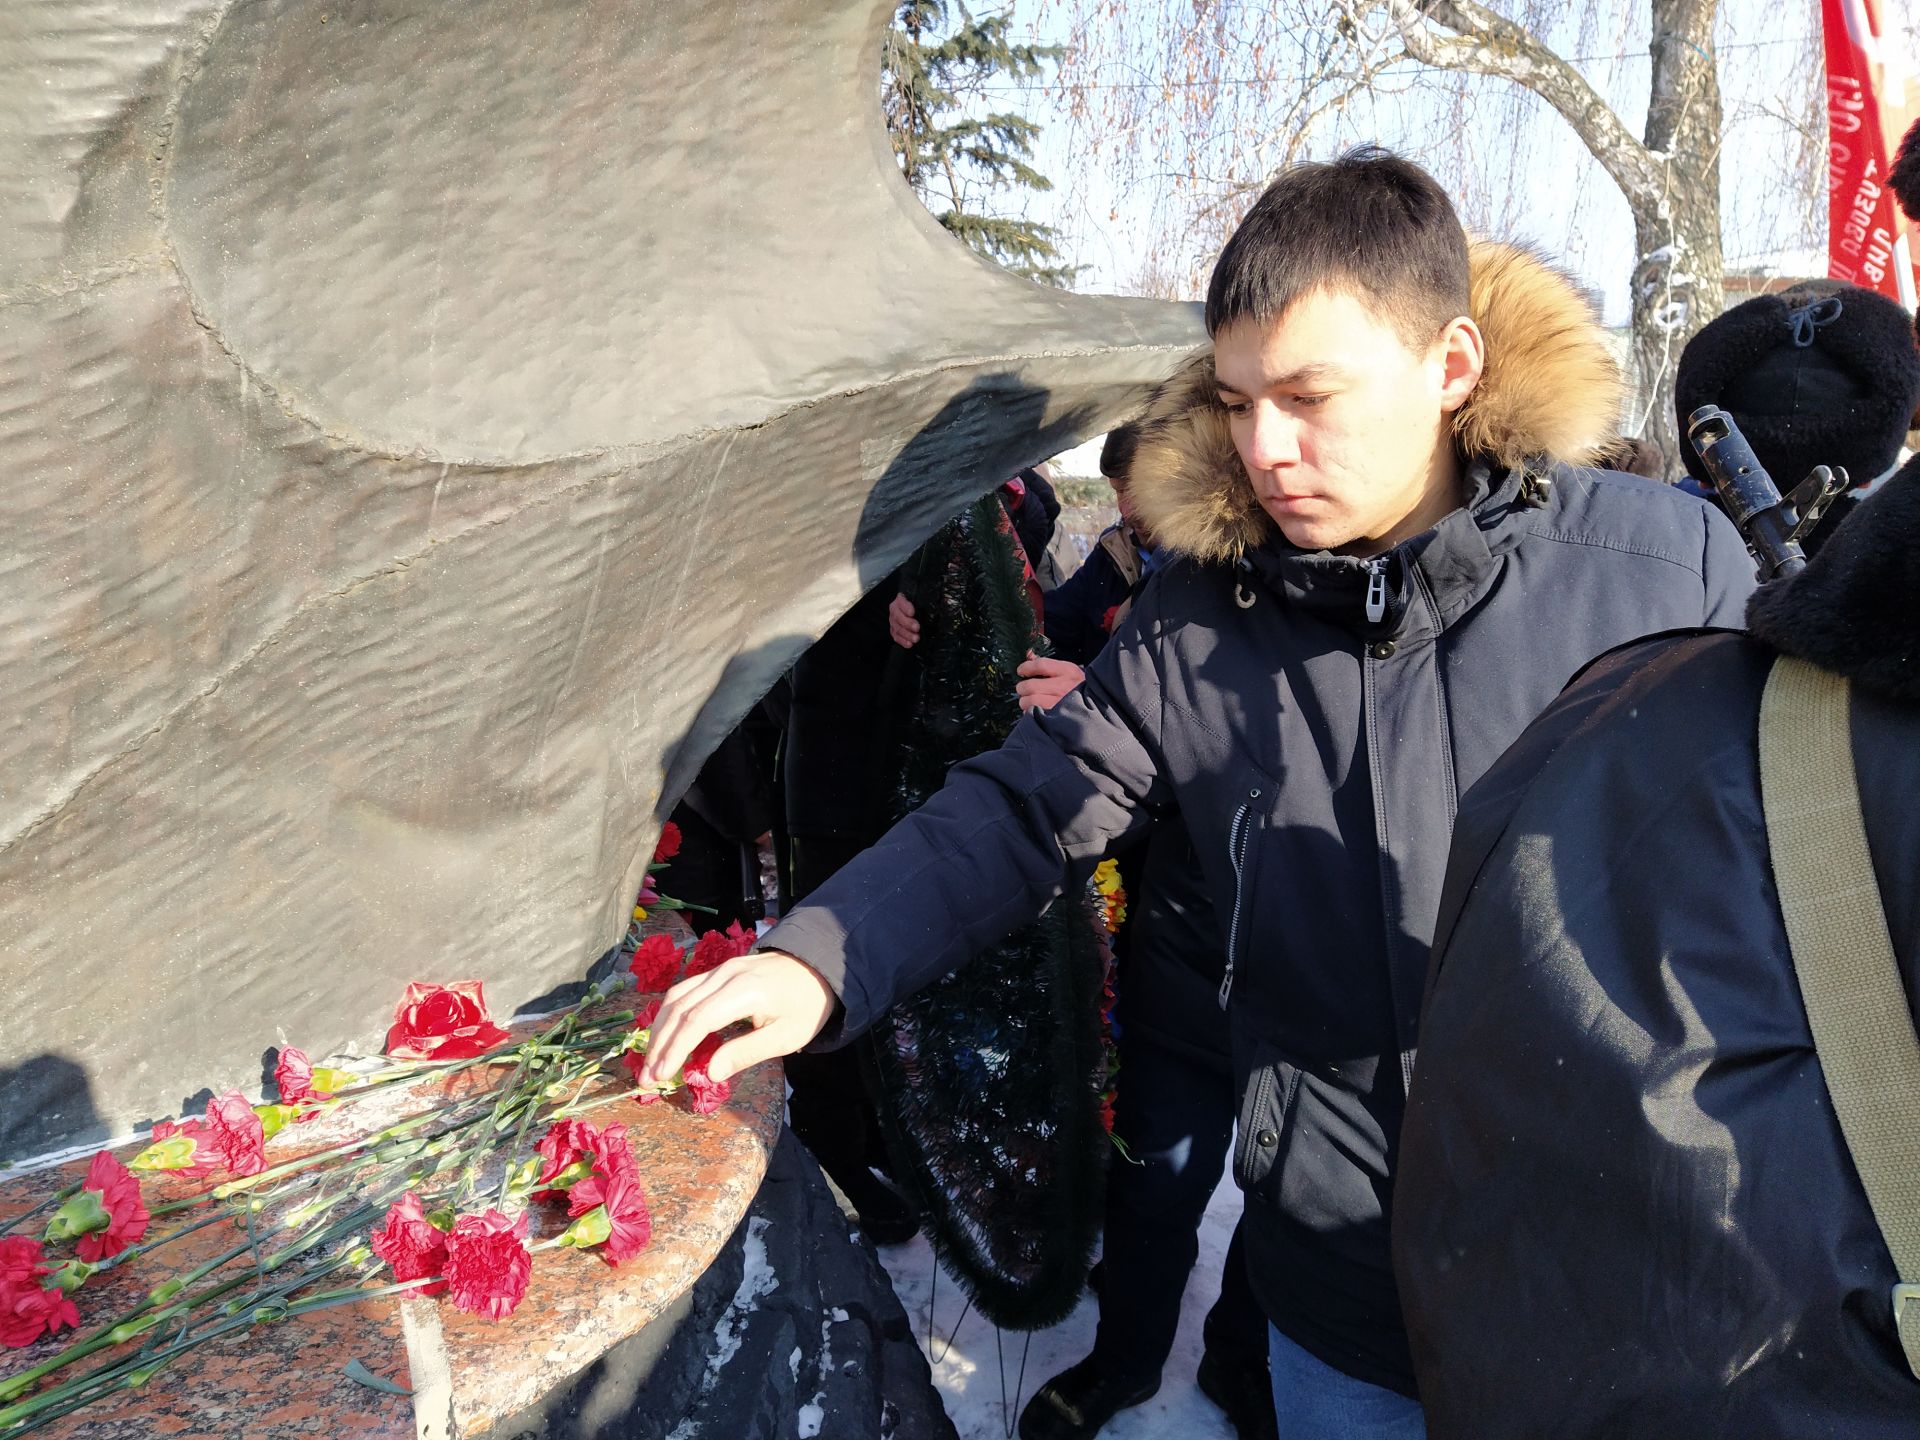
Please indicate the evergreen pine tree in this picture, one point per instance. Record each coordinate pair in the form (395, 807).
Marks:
(952, 156)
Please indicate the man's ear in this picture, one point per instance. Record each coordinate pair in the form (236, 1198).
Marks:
(1463, 359)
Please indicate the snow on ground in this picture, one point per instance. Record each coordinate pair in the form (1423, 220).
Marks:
(969, 1374)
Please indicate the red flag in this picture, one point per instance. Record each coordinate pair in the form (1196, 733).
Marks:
(1866, 244)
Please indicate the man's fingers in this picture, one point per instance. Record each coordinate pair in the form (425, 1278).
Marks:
(691, 1012)
(744, 1051)
(785, 999)
(1033, 666)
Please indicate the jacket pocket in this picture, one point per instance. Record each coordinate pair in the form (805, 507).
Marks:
(1266, 1112)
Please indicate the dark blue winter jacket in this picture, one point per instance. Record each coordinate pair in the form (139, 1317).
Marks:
(1316, 757)
(1077, 608)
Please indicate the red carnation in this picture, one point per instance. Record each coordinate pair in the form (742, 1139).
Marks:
(629, 1226)
(412, 1244)
(119, 1195)
(669, 843)
(614, 1186)
(21, 1260)
(614, 1160)
(566, 1144)
(28, 1310)
(442, 1022)
(235, 1135)
(716, 947)
(656, 963)
(487, 1264)
(1107, 620)
(705, 1095)
(293, 1073)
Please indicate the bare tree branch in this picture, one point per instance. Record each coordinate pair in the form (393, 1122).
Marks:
(1489, 44)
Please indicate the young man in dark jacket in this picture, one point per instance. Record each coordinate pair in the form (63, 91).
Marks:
(1392, 578)
(1088, 606)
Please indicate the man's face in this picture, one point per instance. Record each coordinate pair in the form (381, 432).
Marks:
(1129, 514)
(1340, 425)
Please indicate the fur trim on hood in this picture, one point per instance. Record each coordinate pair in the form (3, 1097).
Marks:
(1852, 609)
(1551, 392)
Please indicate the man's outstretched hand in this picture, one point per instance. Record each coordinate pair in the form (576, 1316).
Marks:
(785, 999)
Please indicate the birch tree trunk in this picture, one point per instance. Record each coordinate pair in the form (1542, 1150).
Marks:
(1677, 281)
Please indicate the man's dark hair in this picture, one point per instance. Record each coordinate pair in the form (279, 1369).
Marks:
(1116, 455)
(1369, 222)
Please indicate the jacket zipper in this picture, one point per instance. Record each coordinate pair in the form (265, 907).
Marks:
(1376, 589)
(1237, 856)
(1258, 1099)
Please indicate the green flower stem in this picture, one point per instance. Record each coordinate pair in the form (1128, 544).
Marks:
(399, 1130)
(381, 1164)
(667, 902)
(568, 1111)
(513, 1152)
(110, 1335)
(147, 1247)
(430, 1069)
(53, 1201)
(116, 1333)
(82, 1390)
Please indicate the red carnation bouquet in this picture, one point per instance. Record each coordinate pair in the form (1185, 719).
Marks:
(404, 1208)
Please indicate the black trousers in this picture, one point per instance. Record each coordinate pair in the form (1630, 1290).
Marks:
(1175, 1114)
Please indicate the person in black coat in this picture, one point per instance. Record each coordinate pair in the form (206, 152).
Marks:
(1625, 1207)
(832, 786)
(1819, 374)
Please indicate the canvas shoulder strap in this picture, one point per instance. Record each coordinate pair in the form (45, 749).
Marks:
(1843, 956)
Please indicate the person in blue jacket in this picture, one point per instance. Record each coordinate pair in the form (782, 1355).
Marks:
(1389, 560)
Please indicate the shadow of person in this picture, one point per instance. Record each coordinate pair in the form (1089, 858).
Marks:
(49, 1104)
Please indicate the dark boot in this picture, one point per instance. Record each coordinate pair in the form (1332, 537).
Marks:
(1244, 1389)
(886, 1217)
(1077, 1402)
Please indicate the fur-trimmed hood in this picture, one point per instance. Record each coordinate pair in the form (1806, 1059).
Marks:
(1551, 392)
(1852, 610)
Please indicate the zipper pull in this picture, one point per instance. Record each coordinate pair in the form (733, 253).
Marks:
(1376, 589)
(1226, 985)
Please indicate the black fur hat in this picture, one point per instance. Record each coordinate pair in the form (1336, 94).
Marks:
(1852, 609)
(1822, 374)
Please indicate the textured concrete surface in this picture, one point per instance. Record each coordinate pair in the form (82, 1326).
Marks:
(426, 428)
(700, 1174)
